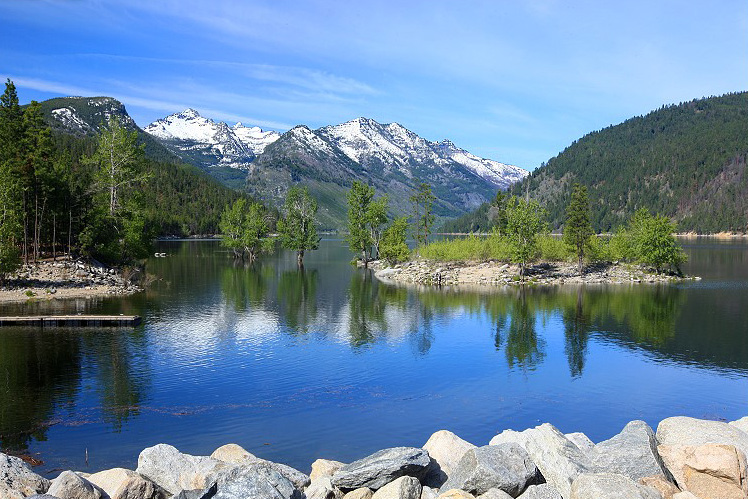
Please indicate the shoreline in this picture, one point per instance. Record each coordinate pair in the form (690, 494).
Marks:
(64, 279)
(684, 458)
(496, 273)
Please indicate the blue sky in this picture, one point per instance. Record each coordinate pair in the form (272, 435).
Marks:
(514, 81)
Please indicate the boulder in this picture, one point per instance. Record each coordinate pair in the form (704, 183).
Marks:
(428, 493)
(198, 494)
(684, 495)
(255, 481)
(665, 487)
(446, 449)
(740, 424)
(507, 467)
(381, 468)
(609, 486)
(68, 485)
(234, 454)
(362, 493)
(16, 475)
(324, 467)
(497, 494)
(119, 483)
(632, 453)
(681, 430)
(710, 471)
(542, 491)
(455, 494)
(322, 488)
(405, 487)
(581, 440)
(8, 493)
(36, 496)
(175, 471)
(557, 458)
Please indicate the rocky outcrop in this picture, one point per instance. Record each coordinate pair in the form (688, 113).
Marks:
(382, 467)
(505, 466)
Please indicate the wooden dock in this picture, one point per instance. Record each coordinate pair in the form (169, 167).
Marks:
(73, 321)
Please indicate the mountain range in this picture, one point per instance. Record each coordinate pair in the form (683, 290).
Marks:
(265, 163)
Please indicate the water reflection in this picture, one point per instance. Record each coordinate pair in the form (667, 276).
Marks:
(37, 373)
(220, 329)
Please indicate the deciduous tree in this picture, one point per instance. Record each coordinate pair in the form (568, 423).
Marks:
(297, 227)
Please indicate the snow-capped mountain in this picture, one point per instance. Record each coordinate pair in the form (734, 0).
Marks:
(367, 142)
(209, 143)
(388, 156)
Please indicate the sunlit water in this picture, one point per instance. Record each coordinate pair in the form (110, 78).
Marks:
(330, 363)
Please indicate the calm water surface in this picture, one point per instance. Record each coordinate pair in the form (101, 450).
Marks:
(330, 363)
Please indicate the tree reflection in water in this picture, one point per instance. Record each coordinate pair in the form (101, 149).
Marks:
(297, 298)
(576, 334)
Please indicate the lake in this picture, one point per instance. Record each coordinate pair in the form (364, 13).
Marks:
(330, 363)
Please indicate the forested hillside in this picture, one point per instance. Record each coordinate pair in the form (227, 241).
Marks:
(686, 161)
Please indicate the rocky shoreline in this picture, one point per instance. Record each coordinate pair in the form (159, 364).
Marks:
(49, 280)
(685, 458)
(496, 273)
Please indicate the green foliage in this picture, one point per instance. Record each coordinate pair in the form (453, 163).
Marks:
(552, 249)
(246, 229)
(392, 247)
(648, 240)
(423, 216)
(366, 217)
(578, 228)
(686, 161)
(524, 223)
(297, 228)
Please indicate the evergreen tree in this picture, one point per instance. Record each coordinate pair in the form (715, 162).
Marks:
(11, 134)
(423, 217)
(524, 223)
(497, 211)
(297, 228)
(578, 228)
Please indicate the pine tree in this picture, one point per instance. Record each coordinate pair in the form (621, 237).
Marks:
(297, 228)
(578, 228)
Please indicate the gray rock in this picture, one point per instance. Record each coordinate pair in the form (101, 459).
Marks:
(382, 467)
(446, 449)
(68, 485)
(40, 496)
(405, 487)
(506, 466)
(632, 453)
(255, 482)
(175, 471)
(198, 494)
(498, 494)
(542, 491)
(557, 458)
(681, 430)
(609, 486)
(580, 440)
(322, 488)
(16, 475)
(740, 424)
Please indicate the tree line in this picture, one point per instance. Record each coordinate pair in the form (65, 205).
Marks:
(93, 197)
